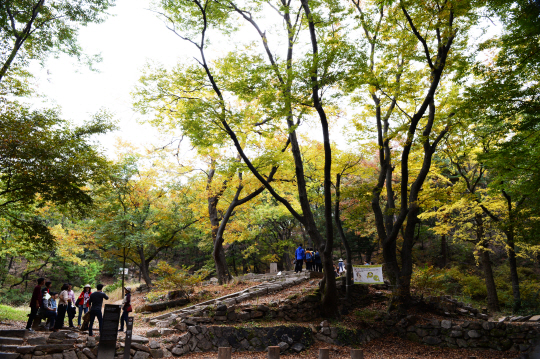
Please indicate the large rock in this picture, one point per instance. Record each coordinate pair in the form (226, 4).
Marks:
(70, 354)
(139, 339)
(141, 355)
(91, 342)
(298, 347)
(283, 346)
(153, 333)
(25, 349)
(37, 341)
(88, 353)
(140, 347)
(156, 353)
(53, 348)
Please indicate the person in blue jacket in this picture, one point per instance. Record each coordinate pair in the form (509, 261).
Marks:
(299, 255)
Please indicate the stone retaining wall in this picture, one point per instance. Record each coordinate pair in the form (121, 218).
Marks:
(478, 334)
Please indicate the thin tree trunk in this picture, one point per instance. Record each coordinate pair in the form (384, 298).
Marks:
(512, 261)
(444, 253)
(348, 265)
(493, 300)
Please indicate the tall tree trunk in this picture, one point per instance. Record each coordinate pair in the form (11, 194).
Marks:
(512, 261)
(144, 267)
(493, 300)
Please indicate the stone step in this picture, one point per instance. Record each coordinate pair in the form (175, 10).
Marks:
(5, 340)
(13, 333)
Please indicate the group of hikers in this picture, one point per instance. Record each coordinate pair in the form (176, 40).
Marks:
(310, 256)
(313, 261)
(43, 303)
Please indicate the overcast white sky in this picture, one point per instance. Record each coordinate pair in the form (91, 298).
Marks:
(126, 41)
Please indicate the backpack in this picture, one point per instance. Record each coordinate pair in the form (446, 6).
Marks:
(309, 256)
(317, 257)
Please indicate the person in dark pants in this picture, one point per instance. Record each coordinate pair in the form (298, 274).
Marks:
(35, 303)
(318, 261)
(299, 256)
(63, 303)
(49, 308)
(126, 309)
(96, 302)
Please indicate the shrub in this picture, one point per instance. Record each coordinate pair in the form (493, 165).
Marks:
(172, 278)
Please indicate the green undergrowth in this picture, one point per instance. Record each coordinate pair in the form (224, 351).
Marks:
(14, 313)
(467, 285)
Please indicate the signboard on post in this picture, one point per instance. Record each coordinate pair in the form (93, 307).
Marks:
(129, 334)
(109, 331)
(368, 274)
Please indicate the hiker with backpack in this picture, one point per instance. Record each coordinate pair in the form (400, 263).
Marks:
(318, 262)
(299, 256)
(309, 259)
(83, 302)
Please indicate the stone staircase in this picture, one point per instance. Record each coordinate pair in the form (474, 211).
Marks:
(274, 283)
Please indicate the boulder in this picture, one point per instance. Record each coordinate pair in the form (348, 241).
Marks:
(91, 342)
(88, 353)
(446, 324)
(166, 331)
(25, 349)
(141, 355)
(70, 354)
(298, 347)
(156, 353)
(37, 341)
(154, 344)
(283, 346)
(139, 339)
(140, 347)
(53, 348)
(152, 333)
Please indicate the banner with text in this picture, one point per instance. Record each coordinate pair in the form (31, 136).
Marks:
(368, 274)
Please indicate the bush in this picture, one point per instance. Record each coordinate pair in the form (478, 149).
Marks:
(171, 278)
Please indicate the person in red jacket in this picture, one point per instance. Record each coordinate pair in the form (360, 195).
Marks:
(35, 303)
(83, 301)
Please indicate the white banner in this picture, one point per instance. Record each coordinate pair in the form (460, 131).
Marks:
(368, 274)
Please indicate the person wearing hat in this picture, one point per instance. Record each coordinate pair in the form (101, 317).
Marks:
(83, 302)
(126, 308)
(340, 266)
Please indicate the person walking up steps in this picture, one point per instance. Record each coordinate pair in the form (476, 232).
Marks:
(96, 302)
(299, 256)
(126, 308)
(35, 303)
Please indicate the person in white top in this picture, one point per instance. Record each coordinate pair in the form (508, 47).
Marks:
(63, 302)
(71, 310)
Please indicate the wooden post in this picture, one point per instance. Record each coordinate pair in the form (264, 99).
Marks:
(357, 354)
(224, 353)
(273, 352)
(324, 353)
